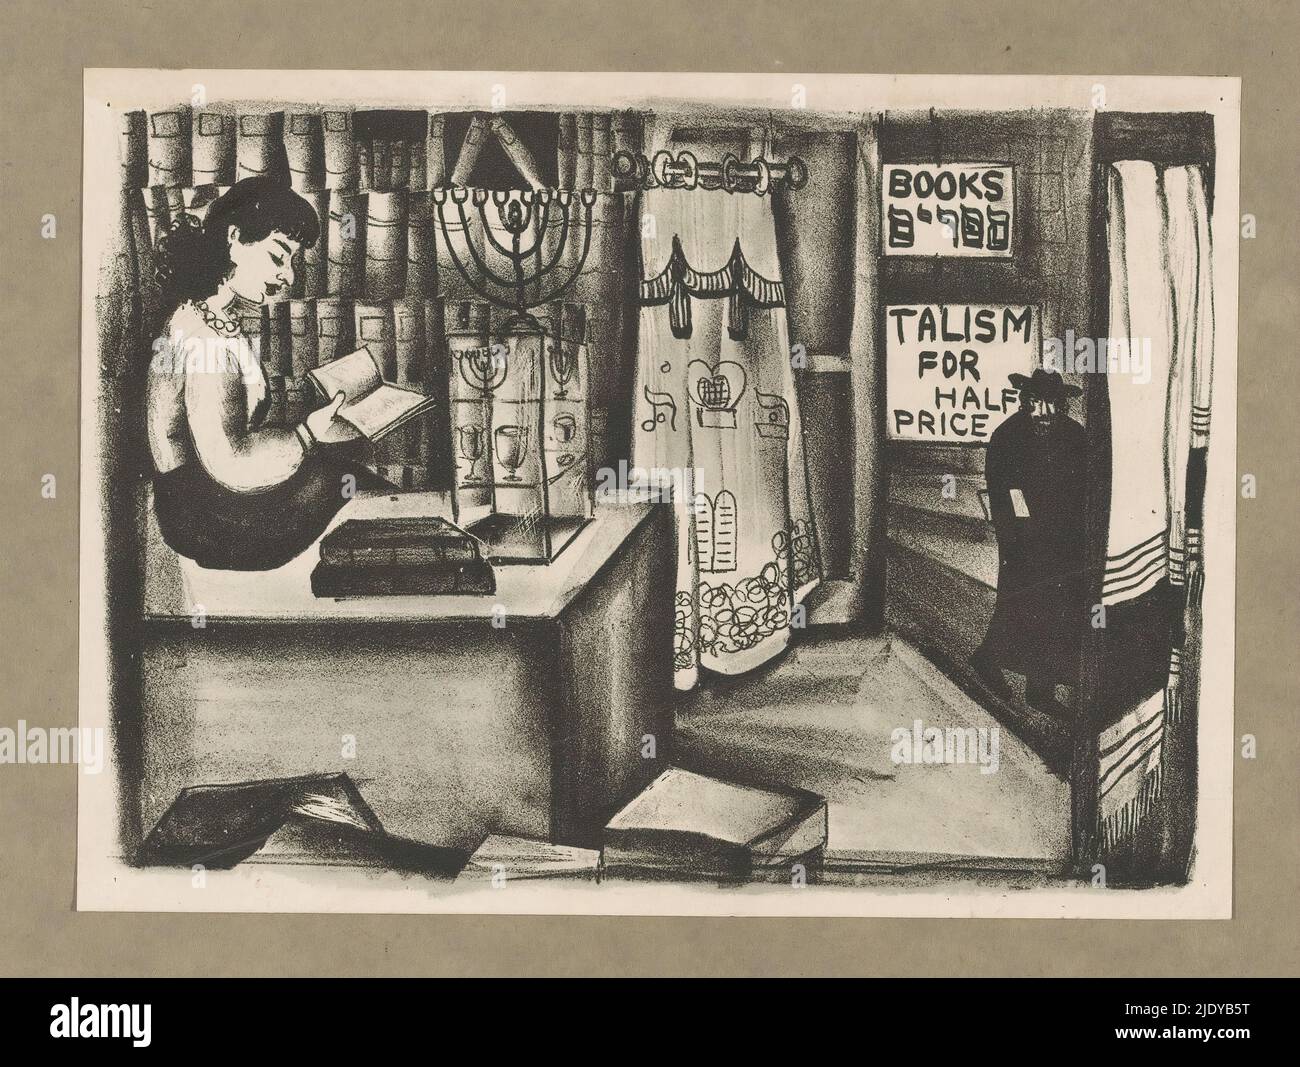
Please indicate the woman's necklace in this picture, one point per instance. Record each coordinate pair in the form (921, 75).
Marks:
(229, 327)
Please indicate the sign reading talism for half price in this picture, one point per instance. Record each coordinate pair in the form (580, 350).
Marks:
(948, 368)
(947, 209)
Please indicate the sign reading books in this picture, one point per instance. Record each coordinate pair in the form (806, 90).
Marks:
(948, 209)
(947, 368)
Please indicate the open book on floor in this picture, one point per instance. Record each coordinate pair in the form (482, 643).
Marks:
(375, 407)
(319, 819)
(688, 824)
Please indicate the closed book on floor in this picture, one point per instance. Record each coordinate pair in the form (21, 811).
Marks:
(688, 824)
(407, 541)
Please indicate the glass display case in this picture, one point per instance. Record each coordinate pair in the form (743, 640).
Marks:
(520, 427)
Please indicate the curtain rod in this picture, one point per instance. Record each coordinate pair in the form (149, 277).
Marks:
(684, 171)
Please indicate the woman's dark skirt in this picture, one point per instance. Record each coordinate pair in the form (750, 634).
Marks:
(222, 529)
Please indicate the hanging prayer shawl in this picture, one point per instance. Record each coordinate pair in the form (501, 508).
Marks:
(1160, 307)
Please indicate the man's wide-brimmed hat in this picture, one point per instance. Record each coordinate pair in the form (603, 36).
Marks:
(1045, 385)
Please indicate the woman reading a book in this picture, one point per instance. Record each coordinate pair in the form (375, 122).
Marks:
(229, 492)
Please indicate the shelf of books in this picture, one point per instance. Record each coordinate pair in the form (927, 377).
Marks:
(379, 276)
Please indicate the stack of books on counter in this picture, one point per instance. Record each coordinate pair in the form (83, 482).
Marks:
(425, 555)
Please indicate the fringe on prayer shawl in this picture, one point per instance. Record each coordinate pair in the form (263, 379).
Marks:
(1129, 776)
(1122, 824)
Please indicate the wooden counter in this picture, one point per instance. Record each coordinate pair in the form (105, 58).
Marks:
(454, 722)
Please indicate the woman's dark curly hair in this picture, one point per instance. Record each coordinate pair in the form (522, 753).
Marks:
(192, 258)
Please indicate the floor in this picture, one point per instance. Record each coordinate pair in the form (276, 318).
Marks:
(823, 719)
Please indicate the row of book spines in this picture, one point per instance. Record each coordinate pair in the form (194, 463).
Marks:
(586, 146)
(408, 337)
(375, 245)
(370, 245)
(180, 147)
(405, 336)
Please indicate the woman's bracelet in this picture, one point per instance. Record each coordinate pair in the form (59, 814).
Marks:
(305, 435)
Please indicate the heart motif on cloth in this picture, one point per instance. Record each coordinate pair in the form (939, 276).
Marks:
(717, 387)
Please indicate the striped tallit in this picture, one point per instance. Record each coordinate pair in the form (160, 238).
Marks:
(1160, 289)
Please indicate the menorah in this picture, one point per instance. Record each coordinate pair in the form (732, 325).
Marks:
(517, 211)
(523, 483)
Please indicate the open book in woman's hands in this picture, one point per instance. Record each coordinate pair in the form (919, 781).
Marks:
(375, 407)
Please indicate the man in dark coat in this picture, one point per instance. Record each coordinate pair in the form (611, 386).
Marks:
(1035, 470)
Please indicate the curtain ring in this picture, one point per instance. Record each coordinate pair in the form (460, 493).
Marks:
(626, 165)
(690, 170)
(730, 179)
(796, 172)
(661, 167)
(763, 177)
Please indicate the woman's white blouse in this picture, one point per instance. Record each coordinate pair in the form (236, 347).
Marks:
(203, 398)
